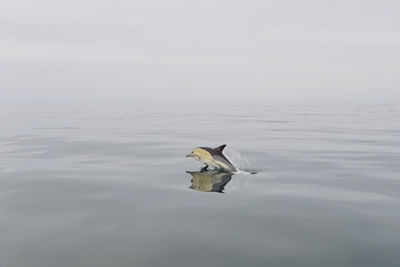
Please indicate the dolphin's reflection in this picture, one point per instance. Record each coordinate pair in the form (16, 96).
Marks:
(209, 181)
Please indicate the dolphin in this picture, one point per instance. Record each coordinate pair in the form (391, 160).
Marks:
(213, 158)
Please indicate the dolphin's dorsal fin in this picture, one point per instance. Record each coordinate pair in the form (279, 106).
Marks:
(220, 148)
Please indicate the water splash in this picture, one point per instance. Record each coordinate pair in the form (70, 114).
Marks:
(240, 162)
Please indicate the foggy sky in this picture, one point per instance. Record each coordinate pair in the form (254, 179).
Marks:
(185, 50)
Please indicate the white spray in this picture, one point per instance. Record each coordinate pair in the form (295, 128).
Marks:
(240, 162)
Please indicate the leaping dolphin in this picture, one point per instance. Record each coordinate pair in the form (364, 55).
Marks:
(212, 157)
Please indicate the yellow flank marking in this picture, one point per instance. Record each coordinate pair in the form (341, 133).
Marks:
(203, 154)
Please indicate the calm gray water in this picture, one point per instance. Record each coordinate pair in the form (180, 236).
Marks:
(106, 185)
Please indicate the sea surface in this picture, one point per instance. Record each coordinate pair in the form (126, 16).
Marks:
(109, 185)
